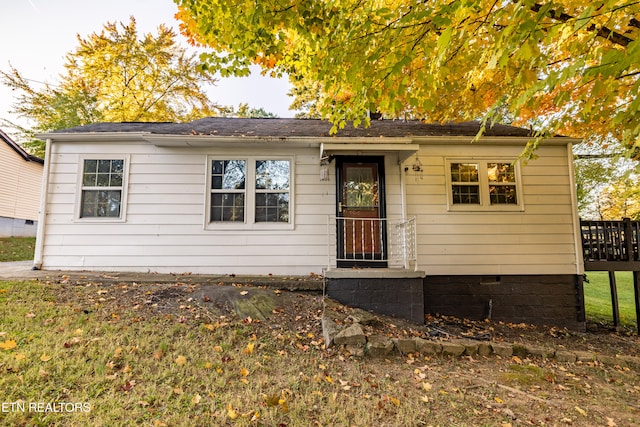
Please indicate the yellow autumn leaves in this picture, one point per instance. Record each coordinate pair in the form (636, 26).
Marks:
(270, 401)
(568, 67)
(12, 344)
(8, 345)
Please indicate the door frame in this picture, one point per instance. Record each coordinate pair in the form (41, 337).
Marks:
(382, 212)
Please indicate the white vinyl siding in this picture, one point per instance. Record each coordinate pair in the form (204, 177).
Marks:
(166, 219)
(539, 239)
(167, 226)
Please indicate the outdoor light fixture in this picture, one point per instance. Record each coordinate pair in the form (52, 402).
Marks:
(324, 168)
(416, 167)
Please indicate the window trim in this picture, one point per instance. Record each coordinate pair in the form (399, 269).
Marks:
(249, 222)
(483, 180)
(124, 189)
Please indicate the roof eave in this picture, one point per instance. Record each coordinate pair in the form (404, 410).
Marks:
(492, 139)
(170, 140)
(18, 149)
(93, 136)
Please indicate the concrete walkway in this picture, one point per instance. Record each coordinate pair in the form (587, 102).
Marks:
(18, 270)
(22, 270)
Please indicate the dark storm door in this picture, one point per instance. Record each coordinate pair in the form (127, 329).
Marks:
(360, 212)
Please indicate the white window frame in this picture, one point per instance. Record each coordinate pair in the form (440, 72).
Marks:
(250, 196)
(483, 181)
(123, 189)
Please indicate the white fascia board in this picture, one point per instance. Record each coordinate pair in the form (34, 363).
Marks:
(306, 141)
(93, 136)
(366, 143)
(491, 140)
(166, 140)
(212, 140)
(404, 149)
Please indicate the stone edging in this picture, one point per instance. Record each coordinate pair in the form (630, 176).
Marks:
(352, 338)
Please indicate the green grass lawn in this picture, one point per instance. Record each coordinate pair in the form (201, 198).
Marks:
(126, 354)
(16, 248)
(597, 297)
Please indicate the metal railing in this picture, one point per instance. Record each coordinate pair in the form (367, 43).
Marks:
(372, 241)
(613, 246)
(610, 240)
(405, 249)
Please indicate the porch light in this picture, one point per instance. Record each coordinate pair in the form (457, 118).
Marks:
(416, 167)
(324, 168)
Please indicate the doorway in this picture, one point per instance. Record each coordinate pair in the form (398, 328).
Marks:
(360, 211)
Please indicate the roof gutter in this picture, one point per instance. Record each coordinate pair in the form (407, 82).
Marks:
(305, 141)
(42, 215)
(490, 139)
(214, 140)
(171, 140)
(94, 136)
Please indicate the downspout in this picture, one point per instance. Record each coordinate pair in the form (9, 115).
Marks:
(42, 215)
(403, 201)
(574, 213)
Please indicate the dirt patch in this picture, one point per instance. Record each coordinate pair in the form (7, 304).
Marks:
(172, 293)
(291, 309)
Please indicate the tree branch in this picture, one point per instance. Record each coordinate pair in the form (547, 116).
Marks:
(604, 32)
(628, 75)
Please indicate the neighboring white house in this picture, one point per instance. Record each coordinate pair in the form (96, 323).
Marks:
(20, 188)
(463, 224)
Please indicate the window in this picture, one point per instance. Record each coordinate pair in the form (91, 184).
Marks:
(502, 184)
(465, 187)
(478, 185)
(102, 188)
(266, 199)
(228, 190)
(272, 191)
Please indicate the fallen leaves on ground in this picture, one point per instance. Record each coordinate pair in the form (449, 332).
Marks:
(8, 345)
(170, 359)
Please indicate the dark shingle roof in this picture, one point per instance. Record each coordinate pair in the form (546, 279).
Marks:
(291, 128)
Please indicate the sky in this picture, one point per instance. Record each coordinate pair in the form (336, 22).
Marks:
(35, 36)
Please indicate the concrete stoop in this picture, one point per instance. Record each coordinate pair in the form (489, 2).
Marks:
(347, 333)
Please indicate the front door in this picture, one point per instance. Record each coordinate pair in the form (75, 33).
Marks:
(360, 212)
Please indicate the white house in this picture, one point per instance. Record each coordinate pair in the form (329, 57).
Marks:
(401, 217)
(20, 188)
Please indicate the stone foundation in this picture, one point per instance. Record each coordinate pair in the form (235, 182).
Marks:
(346, 333)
